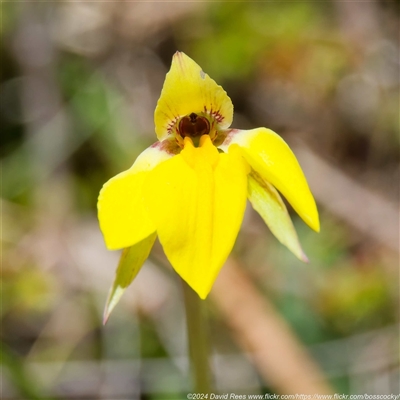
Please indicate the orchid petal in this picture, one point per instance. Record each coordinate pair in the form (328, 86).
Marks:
(130, 263)
(197, 201)
(123, 218)
(270, 156)
(187, 89)
(266, 201)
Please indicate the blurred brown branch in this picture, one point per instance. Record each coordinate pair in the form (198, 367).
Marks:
(280, 358)
(368, 212)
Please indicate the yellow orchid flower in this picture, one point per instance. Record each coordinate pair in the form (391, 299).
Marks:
(190, 187)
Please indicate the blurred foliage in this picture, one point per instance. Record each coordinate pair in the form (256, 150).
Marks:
(79, 84)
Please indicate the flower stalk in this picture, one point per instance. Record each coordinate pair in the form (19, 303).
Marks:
(197, 331)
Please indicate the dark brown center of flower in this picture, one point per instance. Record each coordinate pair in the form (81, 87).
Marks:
(193, 126)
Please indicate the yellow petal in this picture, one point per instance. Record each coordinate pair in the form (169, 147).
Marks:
(187, 89)
(197, 201)
(131, 261)
(267, 202)
(123, 218)
(270, 156)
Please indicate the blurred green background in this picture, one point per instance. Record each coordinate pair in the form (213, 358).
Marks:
(79, 85)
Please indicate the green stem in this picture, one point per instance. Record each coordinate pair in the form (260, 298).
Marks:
(198, 339)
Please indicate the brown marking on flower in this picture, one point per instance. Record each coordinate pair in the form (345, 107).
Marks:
(178, 55)
(227, 136)
(193, 125)
(170, 146)
(216, 114)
